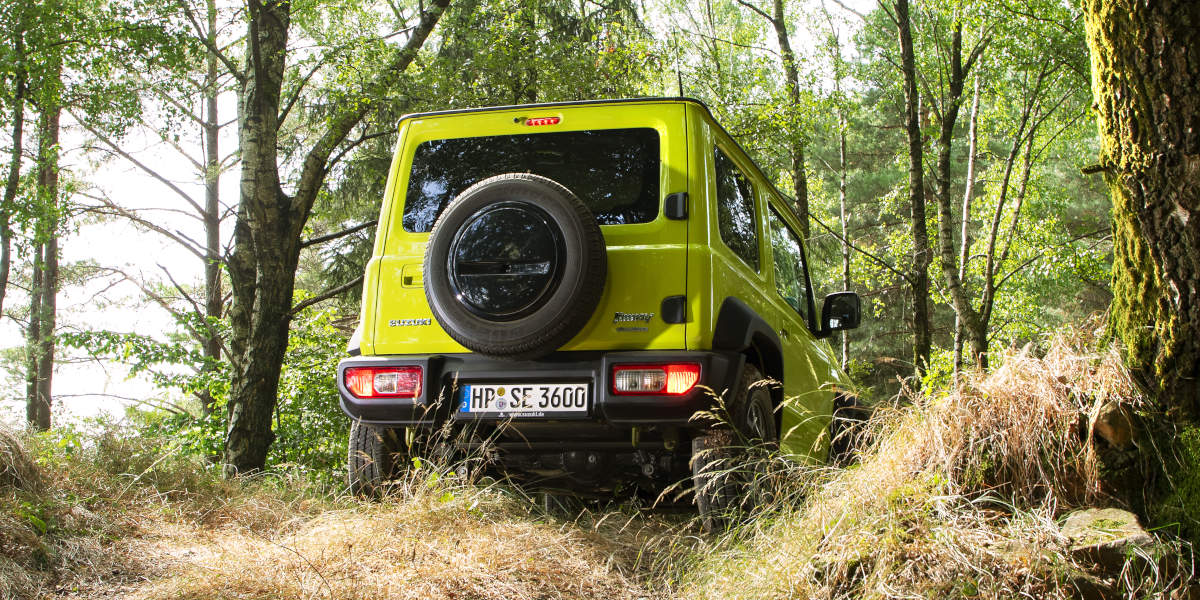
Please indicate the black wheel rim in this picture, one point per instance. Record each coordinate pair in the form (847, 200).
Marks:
(506, 260)
(757, 419)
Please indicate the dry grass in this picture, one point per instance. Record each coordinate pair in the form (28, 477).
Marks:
(126, 517)
(423, 547)
(16, 468)
(957, 497)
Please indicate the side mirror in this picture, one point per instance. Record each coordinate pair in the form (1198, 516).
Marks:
(841, 310)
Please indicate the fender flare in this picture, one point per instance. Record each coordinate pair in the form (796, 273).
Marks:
(740, 328)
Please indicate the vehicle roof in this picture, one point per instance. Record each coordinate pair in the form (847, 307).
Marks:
(645, 99)
(788, 200)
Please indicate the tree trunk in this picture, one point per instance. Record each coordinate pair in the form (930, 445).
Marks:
(792, 80)
(262, 266)
(33, 343)
(964, 239)
(918, 278)
(1147, 85)
(42, 320)
(212, 213)
(11, 186)
(842, 215)
(975, 331)
(49, 294)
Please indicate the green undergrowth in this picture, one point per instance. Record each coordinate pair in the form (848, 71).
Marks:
(1178, 509)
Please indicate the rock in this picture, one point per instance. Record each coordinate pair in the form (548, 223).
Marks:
(1106, 536)
(1090, 587)
(1113, 423)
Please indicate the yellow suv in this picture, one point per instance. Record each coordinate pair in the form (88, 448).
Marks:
(575, 283)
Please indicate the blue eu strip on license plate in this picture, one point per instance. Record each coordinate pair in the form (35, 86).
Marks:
(524, 400)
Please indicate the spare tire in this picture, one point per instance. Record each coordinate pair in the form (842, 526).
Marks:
(515, 266)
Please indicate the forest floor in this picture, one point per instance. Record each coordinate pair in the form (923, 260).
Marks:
(960, 493)
(179, 532)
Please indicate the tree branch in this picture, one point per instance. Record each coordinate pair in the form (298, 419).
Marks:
(356, 143)
(151, 172)
(182, 292)
(333, 236)
(297, 309)
(120, 211)
(316, 162)
(756, 9)
(874, 258)
(287, 108)
(212, 47)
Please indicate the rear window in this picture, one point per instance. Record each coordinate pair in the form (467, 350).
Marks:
(614, 171)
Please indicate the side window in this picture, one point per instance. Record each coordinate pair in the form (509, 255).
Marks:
(790, 279)
(735, 210)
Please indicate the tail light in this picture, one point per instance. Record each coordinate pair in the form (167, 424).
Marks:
(383, 382)
(673, 379)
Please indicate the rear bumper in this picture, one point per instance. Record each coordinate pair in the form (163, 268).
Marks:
(444, 373)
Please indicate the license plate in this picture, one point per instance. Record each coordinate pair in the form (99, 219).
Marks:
(519, 400)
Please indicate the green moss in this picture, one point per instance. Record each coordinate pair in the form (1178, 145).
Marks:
(1135, 285)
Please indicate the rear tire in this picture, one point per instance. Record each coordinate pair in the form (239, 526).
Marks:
(720, 474)
(373, 458)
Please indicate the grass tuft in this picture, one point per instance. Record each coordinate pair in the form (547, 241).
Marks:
(17, 470)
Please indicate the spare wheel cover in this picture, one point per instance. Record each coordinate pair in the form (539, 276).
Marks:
(515, 266)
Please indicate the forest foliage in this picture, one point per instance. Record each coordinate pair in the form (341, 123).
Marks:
(823, 117)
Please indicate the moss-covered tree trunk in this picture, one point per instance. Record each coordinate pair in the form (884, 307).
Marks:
(1146, 81)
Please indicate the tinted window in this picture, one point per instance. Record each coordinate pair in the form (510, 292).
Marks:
(735, 210)
(791, 281)
(614, 171)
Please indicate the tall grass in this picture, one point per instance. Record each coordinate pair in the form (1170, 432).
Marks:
(956, 495)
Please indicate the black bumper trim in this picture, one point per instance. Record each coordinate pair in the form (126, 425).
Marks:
(443, 372)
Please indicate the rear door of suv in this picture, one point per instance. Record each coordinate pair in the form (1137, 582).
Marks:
(623, 159)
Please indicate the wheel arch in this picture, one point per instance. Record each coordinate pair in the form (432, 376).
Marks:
(741, 329)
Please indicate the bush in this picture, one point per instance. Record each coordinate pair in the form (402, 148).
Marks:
(311, 431)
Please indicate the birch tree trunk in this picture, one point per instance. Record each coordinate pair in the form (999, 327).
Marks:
(964, 240)
(270, 222)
